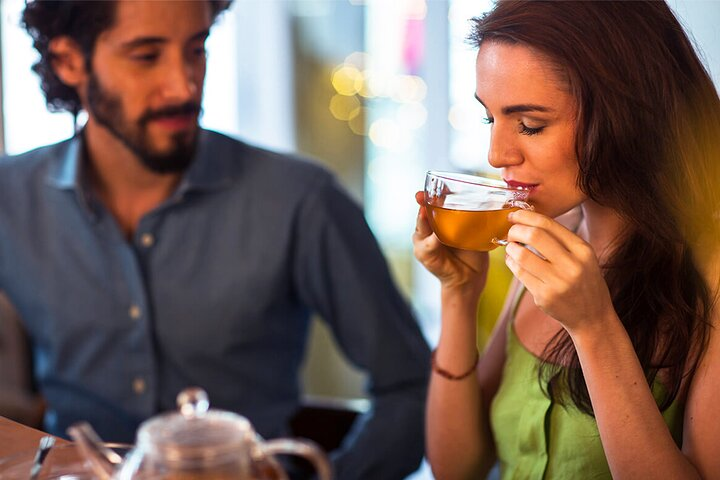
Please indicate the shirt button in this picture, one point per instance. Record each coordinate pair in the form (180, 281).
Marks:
(138, 386)
(134, 312)
(147, 240)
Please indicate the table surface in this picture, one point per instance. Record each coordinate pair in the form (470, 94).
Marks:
(17, 438)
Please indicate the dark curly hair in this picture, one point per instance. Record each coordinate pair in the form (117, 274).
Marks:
(81, 20)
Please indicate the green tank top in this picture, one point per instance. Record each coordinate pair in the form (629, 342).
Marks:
(539, 439)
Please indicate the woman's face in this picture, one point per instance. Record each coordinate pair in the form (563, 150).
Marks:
(532, 119)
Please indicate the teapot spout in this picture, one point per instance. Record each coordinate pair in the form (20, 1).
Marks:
(101, 459)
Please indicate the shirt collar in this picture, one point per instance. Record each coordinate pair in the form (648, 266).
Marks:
(67, 174)
(213, 168)
(65, 170)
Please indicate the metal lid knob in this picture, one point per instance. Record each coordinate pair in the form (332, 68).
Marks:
(193, 402)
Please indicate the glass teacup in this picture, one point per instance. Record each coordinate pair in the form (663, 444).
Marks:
(470, 212)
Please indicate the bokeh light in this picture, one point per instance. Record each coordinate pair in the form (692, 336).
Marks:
(357, 121)
(377, 84)
(408, 88)
(358, 59)
(343, 107)
(347, 79)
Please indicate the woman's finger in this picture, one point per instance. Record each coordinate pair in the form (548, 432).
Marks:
(565, 237)
(530, 281)
(539, 243)
(422, 225)
(531, 262)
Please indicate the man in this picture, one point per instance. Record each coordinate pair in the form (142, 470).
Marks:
(146, 255)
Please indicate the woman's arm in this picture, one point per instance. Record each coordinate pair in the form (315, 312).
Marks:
(701, 433)
(701, 428)
(636, 440)
(459, 442)
(566, 283)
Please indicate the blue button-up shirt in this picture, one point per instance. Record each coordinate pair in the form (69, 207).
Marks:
(215, 289)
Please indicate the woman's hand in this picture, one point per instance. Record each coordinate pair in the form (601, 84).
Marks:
(456, 269)
(561, 271)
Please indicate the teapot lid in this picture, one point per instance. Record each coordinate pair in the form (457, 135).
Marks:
(196, 432)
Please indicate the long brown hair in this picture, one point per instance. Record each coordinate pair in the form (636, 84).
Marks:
(648, 146)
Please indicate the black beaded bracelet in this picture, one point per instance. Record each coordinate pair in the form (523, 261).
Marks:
(445, 374)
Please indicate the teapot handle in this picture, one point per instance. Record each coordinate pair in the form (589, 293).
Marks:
(101, 459)
(302, 448)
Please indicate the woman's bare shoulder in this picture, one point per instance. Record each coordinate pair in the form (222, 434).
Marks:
(701, 434)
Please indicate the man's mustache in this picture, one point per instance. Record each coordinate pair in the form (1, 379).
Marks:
(189, 108)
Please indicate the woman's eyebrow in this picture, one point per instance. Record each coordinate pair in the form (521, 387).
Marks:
(520, 108)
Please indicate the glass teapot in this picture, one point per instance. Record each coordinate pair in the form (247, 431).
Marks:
(196, 443)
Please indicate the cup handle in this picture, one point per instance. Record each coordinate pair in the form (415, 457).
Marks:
(521, 204)
(302, 448)
(513, 203)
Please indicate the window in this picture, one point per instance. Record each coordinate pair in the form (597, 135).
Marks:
(27, 122)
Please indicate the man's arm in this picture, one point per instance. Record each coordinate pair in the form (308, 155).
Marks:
(341, 273)
(17, 400)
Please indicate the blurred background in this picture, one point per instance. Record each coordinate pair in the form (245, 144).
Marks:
(377, 90)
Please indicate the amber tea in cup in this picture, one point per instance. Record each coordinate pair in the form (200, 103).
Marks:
(470, 212)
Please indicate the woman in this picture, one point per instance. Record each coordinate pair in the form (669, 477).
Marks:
(605, 361)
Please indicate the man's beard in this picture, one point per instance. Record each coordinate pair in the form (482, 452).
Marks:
(107, 109)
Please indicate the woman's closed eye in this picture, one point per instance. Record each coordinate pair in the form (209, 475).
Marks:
(522, 127)
(527, 130)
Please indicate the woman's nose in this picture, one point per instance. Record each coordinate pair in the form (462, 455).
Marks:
(503, 151)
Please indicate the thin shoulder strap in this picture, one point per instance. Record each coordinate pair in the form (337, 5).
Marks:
(519, 291)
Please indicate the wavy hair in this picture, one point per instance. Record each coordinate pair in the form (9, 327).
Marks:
(648, 146)
(82, 21)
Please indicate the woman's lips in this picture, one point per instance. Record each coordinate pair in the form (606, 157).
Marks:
(522, 185)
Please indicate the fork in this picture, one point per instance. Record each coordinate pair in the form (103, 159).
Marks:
(46, 443)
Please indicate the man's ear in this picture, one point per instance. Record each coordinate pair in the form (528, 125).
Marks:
(68, 61)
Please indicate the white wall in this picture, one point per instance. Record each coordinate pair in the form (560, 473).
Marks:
(701, 19)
